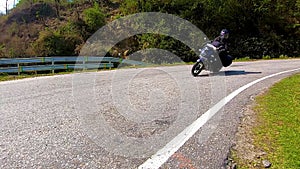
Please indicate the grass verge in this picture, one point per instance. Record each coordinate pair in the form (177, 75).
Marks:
(277, 126)
(7, 77)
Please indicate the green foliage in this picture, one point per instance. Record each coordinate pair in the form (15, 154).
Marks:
(94, 17)
(70, 28)
(2, 50)
(46, 44)
(166, 43)
(258, 27)
(52, 43)
(129, 7)
(24, 3)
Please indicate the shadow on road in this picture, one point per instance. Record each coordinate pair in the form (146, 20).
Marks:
(229, 73)
(239, 72)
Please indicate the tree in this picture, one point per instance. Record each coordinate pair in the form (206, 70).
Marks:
(6, 7)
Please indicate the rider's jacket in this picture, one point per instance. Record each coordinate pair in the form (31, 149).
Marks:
(220, 42)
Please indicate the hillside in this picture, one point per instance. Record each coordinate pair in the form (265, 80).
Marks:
(61, 27)
(26, 30)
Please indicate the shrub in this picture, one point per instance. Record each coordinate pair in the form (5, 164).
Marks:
(47, 44)
(52, 43)
(94, 18)
(2, 50)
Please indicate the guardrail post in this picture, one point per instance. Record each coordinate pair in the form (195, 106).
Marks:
(52, 66)
(19, 69)
(84, 60)
(109, 64)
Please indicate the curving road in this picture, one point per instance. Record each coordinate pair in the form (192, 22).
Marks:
(120, 118)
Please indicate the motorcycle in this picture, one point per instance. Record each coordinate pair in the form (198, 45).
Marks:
(211, 59)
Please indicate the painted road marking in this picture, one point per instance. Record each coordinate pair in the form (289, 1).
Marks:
(158, 159)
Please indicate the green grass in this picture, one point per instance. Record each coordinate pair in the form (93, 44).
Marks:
(243, 59)
(278, 130)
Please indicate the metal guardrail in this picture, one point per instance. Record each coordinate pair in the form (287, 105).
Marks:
(19, 65)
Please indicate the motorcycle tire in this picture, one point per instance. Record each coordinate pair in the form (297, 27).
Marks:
(197, 68)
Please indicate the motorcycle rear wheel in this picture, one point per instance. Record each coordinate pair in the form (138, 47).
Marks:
(197, 68)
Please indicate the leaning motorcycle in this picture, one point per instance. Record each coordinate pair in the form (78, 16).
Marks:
(211, 59)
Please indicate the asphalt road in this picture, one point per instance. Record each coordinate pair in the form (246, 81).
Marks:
(119, 118)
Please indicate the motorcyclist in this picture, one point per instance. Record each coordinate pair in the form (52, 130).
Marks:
(221, 43)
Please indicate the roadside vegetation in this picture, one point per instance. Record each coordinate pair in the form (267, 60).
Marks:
(275, 133)
(9, 77)
(267, 57)
(259, 28)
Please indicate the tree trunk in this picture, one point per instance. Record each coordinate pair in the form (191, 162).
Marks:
(6, 7)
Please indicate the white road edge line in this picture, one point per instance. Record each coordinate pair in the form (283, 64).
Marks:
(159, 158)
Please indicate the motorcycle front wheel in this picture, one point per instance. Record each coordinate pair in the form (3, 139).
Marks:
(197, 68)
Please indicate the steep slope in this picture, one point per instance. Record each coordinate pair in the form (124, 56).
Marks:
(26, 31)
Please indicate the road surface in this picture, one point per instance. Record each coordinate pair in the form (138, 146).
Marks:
(120, 118)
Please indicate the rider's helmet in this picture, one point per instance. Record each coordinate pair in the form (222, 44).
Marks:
(224, 33)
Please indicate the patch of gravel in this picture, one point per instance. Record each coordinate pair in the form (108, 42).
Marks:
(244, 151)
